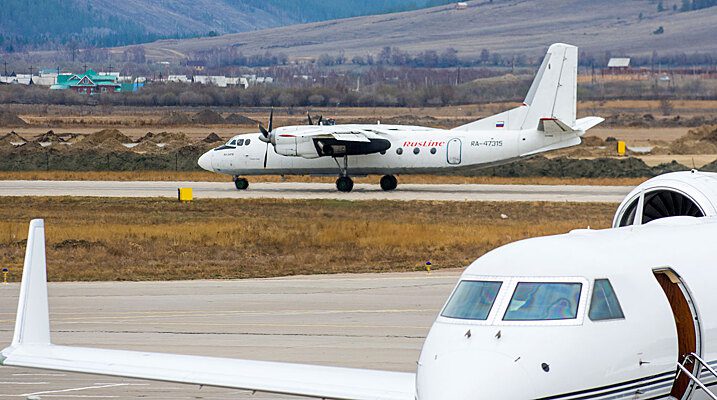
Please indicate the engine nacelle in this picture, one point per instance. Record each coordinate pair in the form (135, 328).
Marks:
(687, 193)
(295, 146)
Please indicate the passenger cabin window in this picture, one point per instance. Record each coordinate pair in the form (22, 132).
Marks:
(472, 300)
(534, 301)
(604, 304)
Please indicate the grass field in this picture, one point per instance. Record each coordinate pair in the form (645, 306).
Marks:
(213, 177)
(151, 239)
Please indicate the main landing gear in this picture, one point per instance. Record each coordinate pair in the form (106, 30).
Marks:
(388, 182)
(344, 183)
(241, 183)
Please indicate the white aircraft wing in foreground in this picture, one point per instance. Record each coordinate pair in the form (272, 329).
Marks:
(31, 347)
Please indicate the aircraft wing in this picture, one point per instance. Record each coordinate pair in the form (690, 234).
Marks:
(31, 347)
(284, 378)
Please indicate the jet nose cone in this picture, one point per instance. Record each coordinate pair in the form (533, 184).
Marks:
(469, 375)
(205, 161)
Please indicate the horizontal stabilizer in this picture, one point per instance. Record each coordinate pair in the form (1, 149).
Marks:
(583, 124)
(553, 126)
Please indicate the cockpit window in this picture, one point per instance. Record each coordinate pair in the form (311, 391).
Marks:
(604, 304)
(246, 142)
(233, 143)
(472, 300)
(240, 142)
(544, 302)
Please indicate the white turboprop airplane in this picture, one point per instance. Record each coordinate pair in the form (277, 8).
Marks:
(592, 314)
(545, 121)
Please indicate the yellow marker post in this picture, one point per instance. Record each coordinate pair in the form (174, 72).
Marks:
(5, 271)
(621, 148)
(428, 266)
(185, 194)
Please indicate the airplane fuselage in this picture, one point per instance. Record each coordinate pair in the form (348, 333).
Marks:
(413, 150)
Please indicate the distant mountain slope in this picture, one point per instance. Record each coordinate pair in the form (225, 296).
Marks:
(506, 26)
(53, 23)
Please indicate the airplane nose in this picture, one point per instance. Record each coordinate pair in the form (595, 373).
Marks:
(205, 161)
(471, 376)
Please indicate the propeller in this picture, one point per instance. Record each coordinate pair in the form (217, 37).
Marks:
(311, 121)
(267, 135)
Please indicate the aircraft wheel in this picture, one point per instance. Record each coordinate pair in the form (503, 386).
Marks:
(388, 182)
(344, 184)
(241, 183)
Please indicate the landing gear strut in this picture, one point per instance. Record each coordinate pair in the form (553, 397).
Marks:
(388, 182)
(344, 183)
(241, 183)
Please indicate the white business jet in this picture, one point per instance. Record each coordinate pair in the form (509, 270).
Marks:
(621, 313)
(545, 121)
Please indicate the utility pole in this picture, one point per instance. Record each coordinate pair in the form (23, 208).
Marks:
(31, 69)
(85, 67)
(5, 63)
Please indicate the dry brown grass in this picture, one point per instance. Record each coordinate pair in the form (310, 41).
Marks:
(213, 177)
(151, 239)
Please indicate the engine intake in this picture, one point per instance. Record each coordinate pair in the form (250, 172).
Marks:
(688, 193)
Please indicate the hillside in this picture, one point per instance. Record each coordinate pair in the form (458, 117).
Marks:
(510, 27)
(56, 24)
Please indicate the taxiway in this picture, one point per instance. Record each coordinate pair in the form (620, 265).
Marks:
(292, 190)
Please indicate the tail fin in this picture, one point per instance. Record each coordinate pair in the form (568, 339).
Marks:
(33, 321)
(553, 95)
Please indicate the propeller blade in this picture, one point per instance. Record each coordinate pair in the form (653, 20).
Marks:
(321, 117)
(266, 154)
(309, 117)
(271, 119)
(263, 130)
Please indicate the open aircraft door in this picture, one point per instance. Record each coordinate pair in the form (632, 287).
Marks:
(688, 330)
(453, 151)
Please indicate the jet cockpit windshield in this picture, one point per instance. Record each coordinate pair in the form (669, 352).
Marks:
(512, 300)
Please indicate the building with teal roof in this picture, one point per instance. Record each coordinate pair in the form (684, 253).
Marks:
(91, 83)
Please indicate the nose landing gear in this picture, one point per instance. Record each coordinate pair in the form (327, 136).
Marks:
(388, 182)
(241, 183)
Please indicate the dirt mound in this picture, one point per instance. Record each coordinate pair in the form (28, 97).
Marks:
(238, 119)
(208, 117)
(11, 138)
(163, 137)
(697, 141)
(175, 118)
(652, 121)
(593, 141)
(212, 138)
(563, 167)
(8, 118)
(105, 135)
(146, 146)
(50, 136)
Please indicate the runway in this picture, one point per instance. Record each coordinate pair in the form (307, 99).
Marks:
(292, 190)
(376, 321)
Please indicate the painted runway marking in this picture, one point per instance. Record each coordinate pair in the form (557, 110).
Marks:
(83, 388)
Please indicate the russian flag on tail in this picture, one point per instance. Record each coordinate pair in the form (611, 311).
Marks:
(500, 124)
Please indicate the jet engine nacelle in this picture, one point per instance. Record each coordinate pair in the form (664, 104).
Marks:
(687, 193)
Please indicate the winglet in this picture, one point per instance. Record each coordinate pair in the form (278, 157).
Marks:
(32, 325)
